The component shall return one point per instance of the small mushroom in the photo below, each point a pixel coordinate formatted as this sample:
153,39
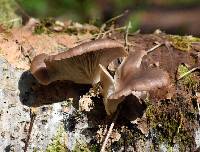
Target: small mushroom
79,64
129,78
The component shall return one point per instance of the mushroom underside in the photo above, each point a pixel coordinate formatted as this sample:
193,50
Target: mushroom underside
79,64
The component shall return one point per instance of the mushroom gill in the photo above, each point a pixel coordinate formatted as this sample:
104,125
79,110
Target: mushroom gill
79,64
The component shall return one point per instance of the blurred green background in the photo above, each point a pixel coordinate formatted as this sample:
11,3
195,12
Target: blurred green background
172,16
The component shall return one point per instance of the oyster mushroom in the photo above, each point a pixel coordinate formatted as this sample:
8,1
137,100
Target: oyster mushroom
129,78
79,64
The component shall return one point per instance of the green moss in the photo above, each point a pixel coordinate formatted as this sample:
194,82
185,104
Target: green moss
34,150
57,144
170,127
183,43
39,29
188,79
45,26
8,18
81,147
167,123
94,148
67,103
170,149
150,114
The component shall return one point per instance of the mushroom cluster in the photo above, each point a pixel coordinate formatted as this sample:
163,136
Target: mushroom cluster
87,64
130,82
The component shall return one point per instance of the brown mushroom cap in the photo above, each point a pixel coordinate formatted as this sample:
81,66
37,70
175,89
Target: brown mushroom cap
93,46
81,63
143,81
130,77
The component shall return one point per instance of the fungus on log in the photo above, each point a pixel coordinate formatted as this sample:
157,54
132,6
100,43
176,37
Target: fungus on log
129,78
79,64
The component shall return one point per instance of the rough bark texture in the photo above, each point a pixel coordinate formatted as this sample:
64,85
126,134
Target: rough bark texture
82,123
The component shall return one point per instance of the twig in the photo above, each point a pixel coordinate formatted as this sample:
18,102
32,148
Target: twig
104,25
186,73
195,42
103,33
116,17
179,123
155,47
33,116
112,30
127,33
22,50
12,20
110,129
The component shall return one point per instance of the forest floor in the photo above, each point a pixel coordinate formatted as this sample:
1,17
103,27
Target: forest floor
41,118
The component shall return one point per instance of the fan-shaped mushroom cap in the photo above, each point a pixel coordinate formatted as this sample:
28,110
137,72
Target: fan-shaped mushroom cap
81,63
130,77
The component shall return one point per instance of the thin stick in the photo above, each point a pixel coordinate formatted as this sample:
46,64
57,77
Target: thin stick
195,42
116,17
103,26
112,30
12,20
155,47
186,73
127,33
110,130
103,33
33,116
